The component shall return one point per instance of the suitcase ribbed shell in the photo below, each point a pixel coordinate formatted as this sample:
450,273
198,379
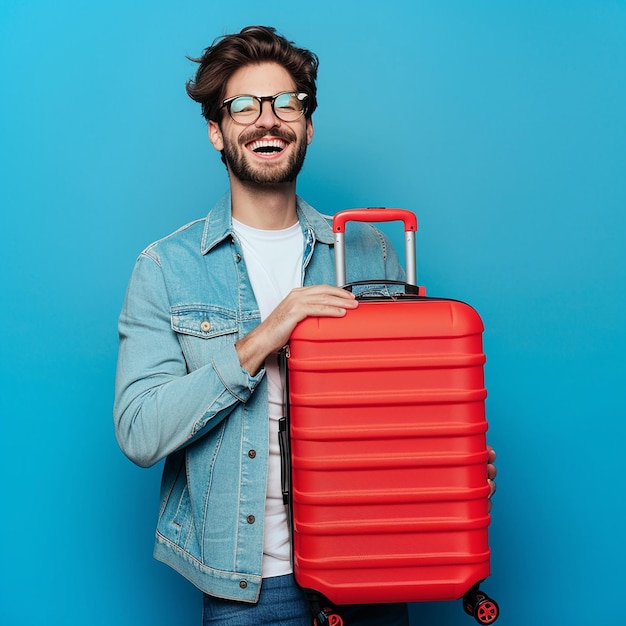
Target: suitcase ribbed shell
389,497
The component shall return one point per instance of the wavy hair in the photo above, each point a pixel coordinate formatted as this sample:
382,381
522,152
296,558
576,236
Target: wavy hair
253,45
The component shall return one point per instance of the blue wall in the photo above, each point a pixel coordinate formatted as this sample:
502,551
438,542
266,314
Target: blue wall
501,124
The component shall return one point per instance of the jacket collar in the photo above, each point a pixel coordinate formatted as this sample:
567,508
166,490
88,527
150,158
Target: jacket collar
218,224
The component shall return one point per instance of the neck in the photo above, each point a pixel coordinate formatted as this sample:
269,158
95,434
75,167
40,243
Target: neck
266,207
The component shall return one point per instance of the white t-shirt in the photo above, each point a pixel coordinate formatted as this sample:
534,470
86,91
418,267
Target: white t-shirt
274,263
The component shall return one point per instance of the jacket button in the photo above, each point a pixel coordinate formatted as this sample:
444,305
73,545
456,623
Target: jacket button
252,453
238,257
251,519
205,326
243,584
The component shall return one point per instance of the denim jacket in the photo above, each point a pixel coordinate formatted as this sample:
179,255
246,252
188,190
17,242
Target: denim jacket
181,393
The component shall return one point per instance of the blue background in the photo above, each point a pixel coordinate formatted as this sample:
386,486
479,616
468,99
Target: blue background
501,124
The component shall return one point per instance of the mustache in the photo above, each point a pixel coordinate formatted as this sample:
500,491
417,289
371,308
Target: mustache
255,134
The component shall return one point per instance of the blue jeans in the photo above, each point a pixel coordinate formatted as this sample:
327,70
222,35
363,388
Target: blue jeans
283,603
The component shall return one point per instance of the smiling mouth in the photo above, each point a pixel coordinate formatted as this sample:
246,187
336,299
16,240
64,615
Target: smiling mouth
267,146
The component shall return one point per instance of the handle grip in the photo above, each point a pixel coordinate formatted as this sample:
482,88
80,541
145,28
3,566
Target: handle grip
375,214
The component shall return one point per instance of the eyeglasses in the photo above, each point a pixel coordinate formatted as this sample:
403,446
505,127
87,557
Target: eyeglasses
287,106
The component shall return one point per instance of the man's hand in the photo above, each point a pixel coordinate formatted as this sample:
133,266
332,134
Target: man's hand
274,332
491,472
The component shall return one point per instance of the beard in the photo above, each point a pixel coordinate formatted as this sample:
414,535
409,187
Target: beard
264,173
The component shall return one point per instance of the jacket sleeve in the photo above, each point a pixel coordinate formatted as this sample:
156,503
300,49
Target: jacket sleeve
159,405
371,255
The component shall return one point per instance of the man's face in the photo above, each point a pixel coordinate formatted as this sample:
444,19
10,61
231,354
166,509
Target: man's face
268,151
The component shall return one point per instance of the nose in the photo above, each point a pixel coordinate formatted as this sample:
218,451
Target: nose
267,119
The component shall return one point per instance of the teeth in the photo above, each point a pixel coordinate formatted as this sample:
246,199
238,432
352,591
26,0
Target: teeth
267,145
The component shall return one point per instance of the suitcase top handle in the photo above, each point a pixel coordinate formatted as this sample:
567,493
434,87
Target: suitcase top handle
374,214
377,214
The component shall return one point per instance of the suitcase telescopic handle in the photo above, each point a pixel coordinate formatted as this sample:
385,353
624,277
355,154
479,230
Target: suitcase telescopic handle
375,214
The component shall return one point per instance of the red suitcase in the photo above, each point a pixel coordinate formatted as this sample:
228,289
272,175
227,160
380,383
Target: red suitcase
384,448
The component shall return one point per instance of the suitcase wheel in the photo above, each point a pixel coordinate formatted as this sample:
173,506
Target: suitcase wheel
480,606
328,617
486,611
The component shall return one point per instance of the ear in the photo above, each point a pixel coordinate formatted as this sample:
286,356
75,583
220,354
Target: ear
309,131
215,136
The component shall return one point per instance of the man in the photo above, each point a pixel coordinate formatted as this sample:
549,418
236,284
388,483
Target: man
206,311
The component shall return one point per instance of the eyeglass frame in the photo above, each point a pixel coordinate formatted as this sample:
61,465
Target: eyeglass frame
300,95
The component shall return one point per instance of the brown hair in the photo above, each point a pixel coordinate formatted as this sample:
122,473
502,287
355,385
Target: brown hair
253,45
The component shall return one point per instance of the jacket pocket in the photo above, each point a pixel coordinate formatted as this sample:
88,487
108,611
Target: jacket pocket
203,329
176,515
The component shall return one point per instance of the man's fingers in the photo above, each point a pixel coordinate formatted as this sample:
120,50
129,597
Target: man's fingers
321,300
